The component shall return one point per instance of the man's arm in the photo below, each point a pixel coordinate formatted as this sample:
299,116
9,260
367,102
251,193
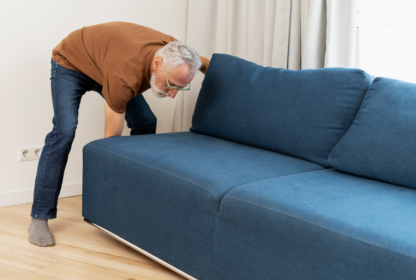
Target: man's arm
204,64
114,122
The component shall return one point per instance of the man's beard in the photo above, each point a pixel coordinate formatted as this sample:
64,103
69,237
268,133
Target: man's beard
156,91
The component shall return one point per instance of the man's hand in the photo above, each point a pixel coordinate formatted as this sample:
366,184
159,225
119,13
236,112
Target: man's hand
204,64
114,122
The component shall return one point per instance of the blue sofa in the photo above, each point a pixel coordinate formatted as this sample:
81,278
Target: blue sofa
284,174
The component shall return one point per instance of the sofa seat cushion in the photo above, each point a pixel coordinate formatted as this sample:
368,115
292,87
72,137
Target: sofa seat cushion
381,143
162,192
318,225
299,113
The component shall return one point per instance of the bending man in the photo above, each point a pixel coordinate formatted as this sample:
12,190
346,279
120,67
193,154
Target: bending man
119,60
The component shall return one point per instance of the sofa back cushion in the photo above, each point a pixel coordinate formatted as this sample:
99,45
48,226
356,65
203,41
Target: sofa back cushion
381,143
299,113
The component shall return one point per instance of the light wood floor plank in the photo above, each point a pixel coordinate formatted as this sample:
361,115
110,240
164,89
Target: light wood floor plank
14,273
25,262
81,252
29,252
71,269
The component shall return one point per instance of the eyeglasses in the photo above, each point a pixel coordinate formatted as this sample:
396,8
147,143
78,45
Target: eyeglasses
169,86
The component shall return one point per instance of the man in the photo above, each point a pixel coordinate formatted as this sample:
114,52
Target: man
119,60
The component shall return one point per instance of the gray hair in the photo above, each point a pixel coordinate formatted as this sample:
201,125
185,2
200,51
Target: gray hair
176,53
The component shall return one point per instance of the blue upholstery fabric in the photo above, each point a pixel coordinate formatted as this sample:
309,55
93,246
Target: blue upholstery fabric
239,208
162,192
299,113
381,143
317,225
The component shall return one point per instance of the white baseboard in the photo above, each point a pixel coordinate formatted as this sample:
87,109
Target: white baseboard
26,195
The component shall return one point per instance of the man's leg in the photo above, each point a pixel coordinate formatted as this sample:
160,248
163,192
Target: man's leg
139,117
67,86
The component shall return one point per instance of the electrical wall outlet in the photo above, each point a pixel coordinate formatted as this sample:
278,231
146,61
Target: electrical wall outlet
25,153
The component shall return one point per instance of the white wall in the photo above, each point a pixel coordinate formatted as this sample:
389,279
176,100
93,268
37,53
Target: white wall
29,30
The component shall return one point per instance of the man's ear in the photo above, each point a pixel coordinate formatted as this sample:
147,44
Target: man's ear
157,63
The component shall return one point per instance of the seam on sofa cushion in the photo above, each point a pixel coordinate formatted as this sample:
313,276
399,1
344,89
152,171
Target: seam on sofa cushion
322,227
353,119
264,179
200,187
355,107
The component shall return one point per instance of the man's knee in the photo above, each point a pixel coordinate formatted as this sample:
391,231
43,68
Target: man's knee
149,126
145,126
67,135
152,121
63,134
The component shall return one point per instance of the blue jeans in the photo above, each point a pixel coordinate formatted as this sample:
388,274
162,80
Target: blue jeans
68,86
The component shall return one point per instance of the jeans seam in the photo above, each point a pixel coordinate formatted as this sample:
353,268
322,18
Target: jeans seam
50,147
56,66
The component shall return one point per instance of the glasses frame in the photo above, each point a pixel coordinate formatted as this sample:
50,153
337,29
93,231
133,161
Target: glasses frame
169,86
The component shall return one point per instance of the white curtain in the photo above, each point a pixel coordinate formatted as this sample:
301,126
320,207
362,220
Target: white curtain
291,34
387,40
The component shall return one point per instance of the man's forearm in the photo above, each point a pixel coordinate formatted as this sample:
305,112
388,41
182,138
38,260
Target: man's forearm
113,130
114,122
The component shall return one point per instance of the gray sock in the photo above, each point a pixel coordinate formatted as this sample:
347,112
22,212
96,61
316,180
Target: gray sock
39,233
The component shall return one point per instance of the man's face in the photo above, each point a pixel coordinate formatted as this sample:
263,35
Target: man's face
178,77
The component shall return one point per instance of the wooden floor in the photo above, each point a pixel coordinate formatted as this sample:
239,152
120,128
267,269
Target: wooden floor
82,251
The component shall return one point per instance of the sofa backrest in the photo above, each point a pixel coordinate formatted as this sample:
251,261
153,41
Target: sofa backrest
299,113
381,142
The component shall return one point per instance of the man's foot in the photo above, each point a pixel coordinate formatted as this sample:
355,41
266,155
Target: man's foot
39,233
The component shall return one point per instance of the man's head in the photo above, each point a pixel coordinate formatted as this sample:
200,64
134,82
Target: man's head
180,61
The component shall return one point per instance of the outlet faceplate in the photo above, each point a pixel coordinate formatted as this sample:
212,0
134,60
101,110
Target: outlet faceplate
25,153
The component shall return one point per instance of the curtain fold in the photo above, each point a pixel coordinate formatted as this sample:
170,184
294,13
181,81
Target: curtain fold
341,33
291,34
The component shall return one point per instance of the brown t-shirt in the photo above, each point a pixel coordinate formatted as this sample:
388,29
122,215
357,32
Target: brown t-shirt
117,55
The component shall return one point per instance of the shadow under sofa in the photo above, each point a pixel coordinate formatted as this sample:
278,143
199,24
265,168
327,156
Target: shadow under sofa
284,175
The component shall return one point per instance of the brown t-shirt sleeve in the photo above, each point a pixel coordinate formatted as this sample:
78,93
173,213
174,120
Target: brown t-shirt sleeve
116,92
